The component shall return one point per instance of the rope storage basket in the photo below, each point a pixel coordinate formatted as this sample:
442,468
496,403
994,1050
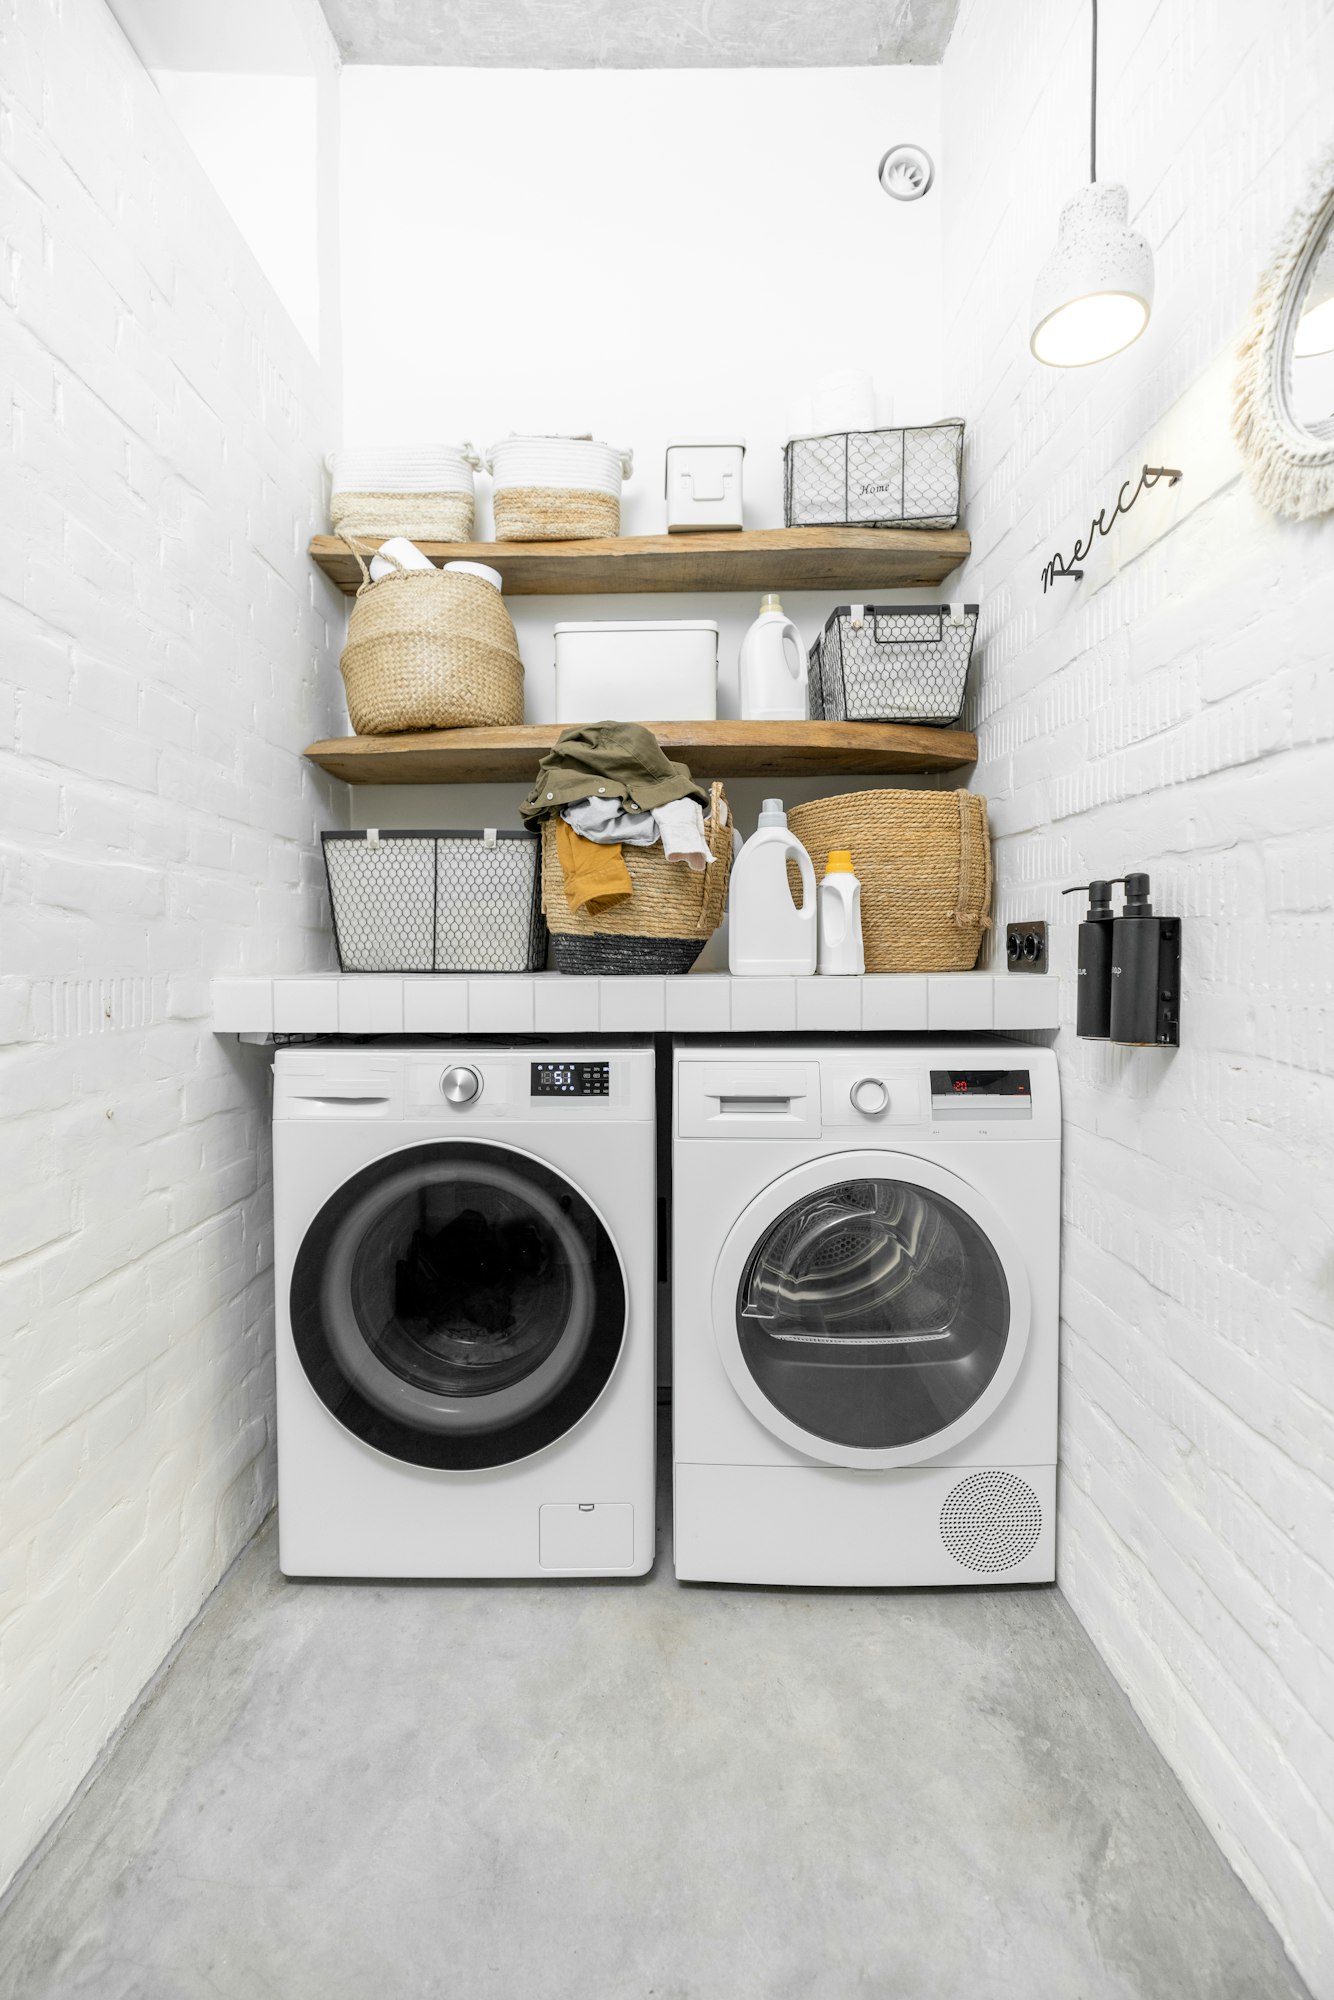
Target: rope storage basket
429,649
874,479
892,663
436,902
557,489
424,492
924,862
666,920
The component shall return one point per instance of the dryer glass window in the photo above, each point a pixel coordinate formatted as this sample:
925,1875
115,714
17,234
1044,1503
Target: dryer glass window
458,1304
873,1313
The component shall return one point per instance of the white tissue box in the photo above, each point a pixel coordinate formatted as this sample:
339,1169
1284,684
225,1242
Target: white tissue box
703,484
637,670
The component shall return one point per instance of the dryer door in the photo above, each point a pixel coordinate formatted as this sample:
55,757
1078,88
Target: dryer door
458,1304
871,1309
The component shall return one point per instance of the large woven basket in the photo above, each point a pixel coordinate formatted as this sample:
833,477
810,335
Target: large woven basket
430,649
924,862
666,921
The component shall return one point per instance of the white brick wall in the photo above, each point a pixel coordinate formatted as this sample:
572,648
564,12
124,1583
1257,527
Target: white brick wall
165,650
1174,711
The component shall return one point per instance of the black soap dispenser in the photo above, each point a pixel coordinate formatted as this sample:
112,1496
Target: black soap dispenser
1146,972
1093,1002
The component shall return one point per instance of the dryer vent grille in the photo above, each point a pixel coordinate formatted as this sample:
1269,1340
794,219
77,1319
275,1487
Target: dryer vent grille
991,1521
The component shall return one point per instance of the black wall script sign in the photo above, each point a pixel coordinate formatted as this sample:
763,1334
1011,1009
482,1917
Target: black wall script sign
1101,525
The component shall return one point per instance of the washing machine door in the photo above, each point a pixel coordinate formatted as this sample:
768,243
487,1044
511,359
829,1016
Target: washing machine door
458,1304
871,1310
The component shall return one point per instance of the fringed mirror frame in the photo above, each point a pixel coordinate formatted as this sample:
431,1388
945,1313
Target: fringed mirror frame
1291,466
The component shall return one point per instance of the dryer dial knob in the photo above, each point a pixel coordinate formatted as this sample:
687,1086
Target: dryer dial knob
461,1084
870,1095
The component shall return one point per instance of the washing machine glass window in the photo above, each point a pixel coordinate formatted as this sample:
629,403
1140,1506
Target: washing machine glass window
458,1304
873,1313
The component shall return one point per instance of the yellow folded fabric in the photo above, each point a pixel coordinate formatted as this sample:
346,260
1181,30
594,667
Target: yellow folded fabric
595,876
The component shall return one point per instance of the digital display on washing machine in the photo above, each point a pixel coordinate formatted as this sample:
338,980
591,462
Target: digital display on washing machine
990,1083
571,1079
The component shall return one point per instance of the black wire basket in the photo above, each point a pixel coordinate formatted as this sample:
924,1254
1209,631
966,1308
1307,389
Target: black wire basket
892,663
906,478
436,901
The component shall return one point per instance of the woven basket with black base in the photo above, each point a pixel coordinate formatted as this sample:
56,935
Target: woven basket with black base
924,862
662,926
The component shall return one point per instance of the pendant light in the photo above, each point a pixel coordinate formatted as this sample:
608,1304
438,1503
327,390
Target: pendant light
1093,294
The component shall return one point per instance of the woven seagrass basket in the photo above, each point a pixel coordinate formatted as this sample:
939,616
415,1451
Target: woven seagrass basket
924,862
666,921
422,517
429,649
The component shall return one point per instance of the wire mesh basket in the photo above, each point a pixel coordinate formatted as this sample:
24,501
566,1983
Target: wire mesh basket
436,901
892,663
875,479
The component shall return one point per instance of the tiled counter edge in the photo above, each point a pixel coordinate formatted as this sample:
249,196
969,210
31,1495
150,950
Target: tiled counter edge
551,1003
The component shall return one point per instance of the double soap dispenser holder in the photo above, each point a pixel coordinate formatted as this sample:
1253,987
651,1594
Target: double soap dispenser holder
1129,968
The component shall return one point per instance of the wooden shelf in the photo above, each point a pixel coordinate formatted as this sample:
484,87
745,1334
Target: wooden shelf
712,750
842,559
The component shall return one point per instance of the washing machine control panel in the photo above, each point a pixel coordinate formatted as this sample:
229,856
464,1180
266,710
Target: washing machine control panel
570,1079
981,1093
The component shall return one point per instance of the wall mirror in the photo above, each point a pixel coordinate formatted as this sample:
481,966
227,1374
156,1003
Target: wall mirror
1284,411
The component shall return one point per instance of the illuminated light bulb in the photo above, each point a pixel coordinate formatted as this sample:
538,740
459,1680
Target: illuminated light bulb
1094,293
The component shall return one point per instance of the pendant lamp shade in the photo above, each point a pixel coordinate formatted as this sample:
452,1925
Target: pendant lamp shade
1094,292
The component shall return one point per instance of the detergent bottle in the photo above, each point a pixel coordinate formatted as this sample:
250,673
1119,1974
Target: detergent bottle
767,932
840,904
773,667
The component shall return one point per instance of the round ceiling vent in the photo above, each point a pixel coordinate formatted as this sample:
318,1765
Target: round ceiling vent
991,1521
906,172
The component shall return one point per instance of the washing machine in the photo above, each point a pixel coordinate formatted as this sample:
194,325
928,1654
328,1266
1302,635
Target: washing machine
866,1266
465,1263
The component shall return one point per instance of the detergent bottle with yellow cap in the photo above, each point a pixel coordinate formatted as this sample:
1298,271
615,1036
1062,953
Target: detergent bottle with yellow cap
840,904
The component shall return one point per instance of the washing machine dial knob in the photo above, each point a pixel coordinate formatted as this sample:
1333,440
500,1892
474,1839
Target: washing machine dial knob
461,1084
870,1095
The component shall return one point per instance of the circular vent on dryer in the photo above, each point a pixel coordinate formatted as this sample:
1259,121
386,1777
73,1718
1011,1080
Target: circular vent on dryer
991,1521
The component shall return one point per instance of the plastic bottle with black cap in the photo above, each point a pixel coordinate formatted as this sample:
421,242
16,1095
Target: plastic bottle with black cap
1093,1002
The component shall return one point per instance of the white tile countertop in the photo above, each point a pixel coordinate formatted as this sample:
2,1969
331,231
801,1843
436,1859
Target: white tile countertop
553,1003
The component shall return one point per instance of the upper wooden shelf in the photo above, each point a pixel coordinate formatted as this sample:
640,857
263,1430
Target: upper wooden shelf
712,750
843,559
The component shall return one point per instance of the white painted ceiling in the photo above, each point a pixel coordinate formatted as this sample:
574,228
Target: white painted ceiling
642,34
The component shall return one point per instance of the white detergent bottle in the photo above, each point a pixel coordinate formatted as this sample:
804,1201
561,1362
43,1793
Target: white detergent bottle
773,668
840,901
766,931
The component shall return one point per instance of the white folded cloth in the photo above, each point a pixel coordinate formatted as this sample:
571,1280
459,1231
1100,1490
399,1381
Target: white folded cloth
408,555
607,822
680,826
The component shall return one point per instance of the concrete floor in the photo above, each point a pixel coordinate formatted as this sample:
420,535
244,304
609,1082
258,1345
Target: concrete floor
528,1792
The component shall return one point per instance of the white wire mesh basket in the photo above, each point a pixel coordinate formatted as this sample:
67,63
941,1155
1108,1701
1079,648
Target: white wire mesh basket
892,663
906,478
419,901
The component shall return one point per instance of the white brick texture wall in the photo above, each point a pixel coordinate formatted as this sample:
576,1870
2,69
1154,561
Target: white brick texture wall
1175,712
165,650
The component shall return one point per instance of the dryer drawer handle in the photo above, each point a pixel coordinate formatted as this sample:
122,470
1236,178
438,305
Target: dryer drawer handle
340,1097
754,1107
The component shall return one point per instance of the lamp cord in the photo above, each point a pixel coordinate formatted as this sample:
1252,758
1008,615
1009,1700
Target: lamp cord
1093,102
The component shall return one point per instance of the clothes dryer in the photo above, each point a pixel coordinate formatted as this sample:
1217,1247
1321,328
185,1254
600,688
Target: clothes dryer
465,1261
865,1266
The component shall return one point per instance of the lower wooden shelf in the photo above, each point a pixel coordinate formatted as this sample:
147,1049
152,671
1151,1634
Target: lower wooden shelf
712,750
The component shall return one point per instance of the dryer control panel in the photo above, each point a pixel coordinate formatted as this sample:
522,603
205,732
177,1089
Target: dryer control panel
981,1093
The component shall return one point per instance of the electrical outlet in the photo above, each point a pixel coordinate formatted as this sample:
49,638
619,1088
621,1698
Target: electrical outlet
1026,946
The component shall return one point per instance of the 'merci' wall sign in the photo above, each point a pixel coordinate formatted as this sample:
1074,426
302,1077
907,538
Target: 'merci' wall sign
1101,525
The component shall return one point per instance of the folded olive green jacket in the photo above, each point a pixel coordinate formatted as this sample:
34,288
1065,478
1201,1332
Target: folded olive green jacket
607,760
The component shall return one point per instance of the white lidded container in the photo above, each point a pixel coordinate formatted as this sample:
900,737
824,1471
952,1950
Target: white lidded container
703,484
422,491
637,670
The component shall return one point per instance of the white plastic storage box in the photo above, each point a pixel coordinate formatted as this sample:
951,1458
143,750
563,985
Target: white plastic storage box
637,670
703,484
